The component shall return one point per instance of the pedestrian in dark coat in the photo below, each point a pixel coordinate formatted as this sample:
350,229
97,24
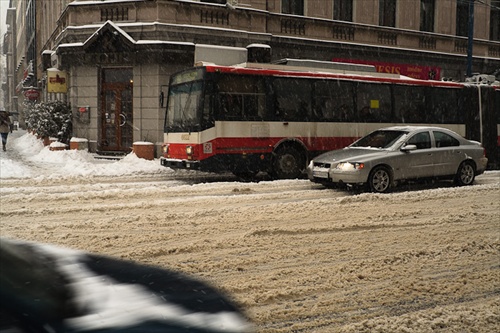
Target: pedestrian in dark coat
5,127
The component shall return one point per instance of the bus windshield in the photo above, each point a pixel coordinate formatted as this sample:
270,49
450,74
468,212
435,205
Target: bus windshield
183,109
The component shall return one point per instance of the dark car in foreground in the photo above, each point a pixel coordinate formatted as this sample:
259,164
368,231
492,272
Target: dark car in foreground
388,156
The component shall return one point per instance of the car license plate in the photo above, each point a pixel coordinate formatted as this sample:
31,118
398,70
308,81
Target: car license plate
320,174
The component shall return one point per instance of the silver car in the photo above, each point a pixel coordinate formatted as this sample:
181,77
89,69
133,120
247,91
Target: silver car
388,156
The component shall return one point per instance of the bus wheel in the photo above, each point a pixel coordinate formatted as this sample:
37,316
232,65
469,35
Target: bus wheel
288,163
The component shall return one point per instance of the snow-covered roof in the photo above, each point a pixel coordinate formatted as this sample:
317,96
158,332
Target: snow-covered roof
220,47
183,26
263,46
145,41
99,2
115,27
70,45
106,25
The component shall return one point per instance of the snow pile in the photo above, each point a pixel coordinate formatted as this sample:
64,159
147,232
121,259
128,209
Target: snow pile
13,169
27,157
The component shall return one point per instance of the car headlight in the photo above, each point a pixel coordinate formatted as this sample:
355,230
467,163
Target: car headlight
189,150
165,149
350,166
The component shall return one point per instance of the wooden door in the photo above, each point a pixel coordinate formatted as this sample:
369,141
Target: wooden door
116,116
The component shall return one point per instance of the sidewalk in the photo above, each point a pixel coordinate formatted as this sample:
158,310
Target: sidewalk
27,157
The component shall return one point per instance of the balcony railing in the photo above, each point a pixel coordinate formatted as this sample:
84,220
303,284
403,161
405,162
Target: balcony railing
114,14
343,32
494,51
293,27
426,42
460,46
388,38
215,17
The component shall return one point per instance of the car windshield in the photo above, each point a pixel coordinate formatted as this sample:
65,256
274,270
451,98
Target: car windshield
379,139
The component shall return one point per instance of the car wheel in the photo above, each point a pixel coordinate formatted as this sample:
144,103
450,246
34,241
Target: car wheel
380,180
288,163
466,174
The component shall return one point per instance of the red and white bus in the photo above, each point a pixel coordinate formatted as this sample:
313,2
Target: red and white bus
274,118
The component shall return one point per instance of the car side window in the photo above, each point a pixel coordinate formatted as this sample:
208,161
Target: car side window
421,140
445,140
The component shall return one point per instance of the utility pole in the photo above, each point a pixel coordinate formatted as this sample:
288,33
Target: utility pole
471,38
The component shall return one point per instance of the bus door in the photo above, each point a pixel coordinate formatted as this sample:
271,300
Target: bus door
490,118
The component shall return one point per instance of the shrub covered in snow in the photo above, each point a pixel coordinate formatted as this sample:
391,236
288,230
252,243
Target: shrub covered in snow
50,119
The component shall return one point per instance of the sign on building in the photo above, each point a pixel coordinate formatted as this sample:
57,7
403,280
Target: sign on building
56,81
413,71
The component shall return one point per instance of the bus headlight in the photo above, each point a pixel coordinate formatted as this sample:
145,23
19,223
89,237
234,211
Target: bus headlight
189,150
165,148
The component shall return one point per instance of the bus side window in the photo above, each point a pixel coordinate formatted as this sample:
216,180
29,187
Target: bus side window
409,104
324,108
207,119
254,107
444,103
292,99
254,100
224,106
231,106
374,102
333,100
240,97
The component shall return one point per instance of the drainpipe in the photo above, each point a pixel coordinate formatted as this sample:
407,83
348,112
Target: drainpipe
471,38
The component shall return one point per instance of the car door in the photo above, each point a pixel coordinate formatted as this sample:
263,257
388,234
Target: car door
447,154
418,163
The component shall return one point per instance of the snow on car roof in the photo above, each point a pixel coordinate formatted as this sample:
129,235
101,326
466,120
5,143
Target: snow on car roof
411,128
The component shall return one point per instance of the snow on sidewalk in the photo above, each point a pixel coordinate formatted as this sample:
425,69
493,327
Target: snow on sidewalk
27,157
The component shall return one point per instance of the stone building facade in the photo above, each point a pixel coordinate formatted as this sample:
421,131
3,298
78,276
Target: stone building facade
118,55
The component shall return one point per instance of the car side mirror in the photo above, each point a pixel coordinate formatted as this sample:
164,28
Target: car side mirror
408,148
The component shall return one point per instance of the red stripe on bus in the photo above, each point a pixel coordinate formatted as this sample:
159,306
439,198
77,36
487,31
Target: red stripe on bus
254,146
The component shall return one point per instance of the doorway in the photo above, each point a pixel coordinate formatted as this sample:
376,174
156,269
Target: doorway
116,111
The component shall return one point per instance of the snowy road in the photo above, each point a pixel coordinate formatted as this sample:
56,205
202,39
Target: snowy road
296,256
